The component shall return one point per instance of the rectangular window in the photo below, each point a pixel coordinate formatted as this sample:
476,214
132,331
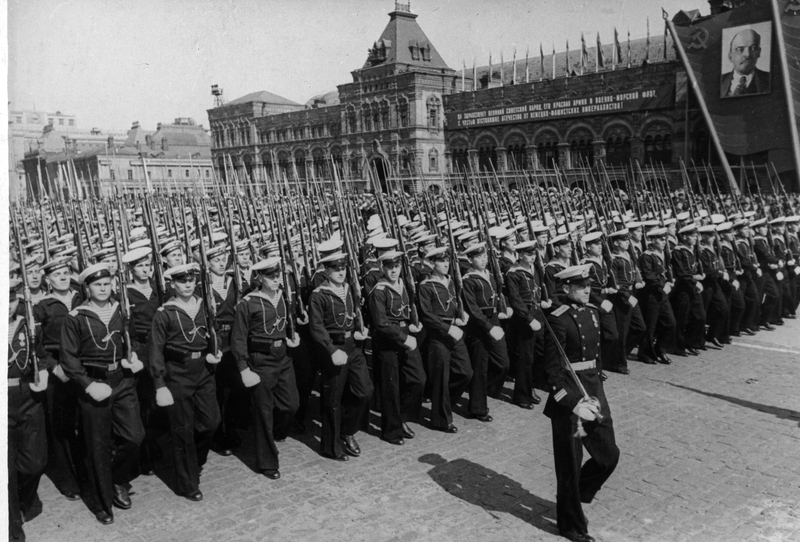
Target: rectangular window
130,174
187,173
208,174
19,120
61,122
414,53
169,173
72,122
433,117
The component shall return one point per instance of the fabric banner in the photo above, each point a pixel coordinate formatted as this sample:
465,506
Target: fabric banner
734,57
655,97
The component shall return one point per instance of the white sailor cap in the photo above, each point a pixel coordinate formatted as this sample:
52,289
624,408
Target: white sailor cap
179,270
267,265
331,245
725,227
385,243
777,221
56,263
525,246
390,256
332,259
717,218
438,253
171,246
707,229
592,237
560,239
94,272
575,273
688,229
657,232
475,250
619,234
759,222
136,255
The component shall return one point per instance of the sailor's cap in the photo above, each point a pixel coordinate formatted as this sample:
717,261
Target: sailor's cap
575,273
267,265
136,255
94,272
180,270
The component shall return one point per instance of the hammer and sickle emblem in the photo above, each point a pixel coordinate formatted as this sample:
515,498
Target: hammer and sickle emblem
699,39
793,7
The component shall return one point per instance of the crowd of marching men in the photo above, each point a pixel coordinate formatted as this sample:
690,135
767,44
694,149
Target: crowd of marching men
209,316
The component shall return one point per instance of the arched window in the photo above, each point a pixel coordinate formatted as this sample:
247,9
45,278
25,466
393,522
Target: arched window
618,151
517,156
487,157
433,161
405,160
355,166
582,152
319,164
433,112
402,112
658,144
547,152
300,164
460,159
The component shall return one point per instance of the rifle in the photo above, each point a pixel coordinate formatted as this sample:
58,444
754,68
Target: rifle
124,304
287,291
158,269
207,294
30,323
494,265
458,282
237,275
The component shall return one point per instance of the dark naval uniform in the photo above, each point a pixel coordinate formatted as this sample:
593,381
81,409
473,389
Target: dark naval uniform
714,299
346,389
601,279
577,328
767,282
177,360
489,358
687,303
732,292
525,298
400,375
91,351
27,441
659,320
449,369
258,341
628,313
62,398
749,281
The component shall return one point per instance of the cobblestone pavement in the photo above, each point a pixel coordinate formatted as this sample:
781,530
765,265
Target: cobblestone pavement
710,451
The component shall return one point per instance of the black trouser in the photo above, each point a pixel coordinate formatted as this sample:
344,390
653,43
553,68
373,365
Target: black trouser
152,421
609,337
717,311
748,284
690,318
346,390
793,282
113,431
579,484
489,360
275,402
65,450
524,341
306,365
401,380
630,328
27,453
736,306
769,298
449,375
659,320
232,401
193,418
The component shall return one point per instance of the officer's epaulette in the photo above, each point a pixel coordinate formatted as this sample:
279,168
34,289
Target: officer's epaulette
592,306
560,310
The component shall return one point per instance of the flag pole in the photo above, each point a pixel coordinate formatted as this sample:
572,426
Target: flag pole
787,88
702,103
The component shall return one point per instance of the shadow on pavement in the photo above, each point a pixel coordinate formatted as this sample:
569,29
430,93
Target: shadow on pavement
491,491
781,413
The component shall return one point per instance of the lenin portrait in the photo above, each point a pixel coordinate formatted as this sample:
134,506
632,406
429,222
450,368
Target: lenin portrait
745,60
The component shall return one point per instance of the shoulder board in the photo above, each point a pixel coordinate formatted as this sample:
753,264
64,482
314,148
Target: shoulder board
560,310
73,312
590,305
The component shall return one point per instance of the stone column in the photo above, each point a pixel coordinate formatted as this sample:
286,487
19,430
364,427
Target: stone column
564,156
599,148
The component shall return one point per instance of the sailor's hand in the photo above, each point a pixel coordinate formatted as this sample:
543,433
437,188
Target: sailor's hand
99,391
359,336
60,374
410,343
586,410
249,378
455,332
164,397
546,304
42,385
535,325
497,333
339,357
294,342
607,306
463,320
415,329
214,359
134,364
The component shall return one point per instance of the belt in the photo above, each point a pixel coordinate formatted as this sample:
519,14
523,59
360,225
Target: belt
107,366
401,323
584,365
14,382
223,328
345,334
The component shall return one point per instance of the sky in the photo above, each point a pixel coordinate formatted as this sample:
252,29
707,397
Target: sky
112,62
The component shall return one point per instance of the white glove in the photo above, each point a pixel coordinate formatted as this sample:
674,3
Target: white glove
357,335
632,301
455,332
797,270
668,288
304,320
535,325
779,276
759,272
735,284
98,391
134,364
59,372
463,320
294,342
639,285
547,304
249,378
586,410
42,381
212,359
415,329
505,315
164,397
497,333
606,305
725,275
790,263
509,312
339,357
699,287
611,290
698,277
411,342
